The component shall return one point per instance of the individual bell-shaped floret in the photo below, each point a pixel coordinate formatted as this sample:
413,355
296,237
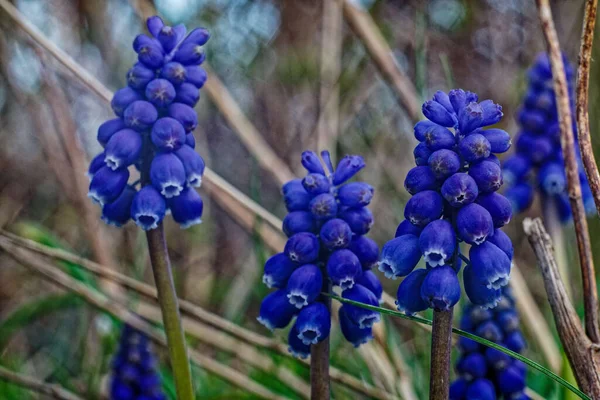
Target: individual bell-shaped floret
490,330
436,112
96,163
479,293
366,249
351,331
140,115
107,184
313,323
458,389
118,212
538,148
508,320
460,98
441,288
296,346
442,98
276,311
491,266
515,168
399,256
472,366
108,129
195,76
304,285
369,280
343,268
470,118
474,224
193,165
310,161
174,72
409,300
122,99
492,112
406,228
487,175
168,36
460,189
497,359
296,198
422,154
424,207
362,317
315,183
347,168
190,140
511,380
475,147
481,389
123,149
324,206
139,76
499,140
503,242
498,206
150,52
168,134
302,248
437,242
278,269
437,137
160,92
299,221
515,341
419,179
167,174
355,194
335,234
189,53
148,208
551,178
186,208
187,94
520,196
444,163
359,219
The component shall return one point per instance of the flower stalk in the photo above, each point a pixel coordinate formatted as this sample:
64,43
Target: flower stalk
319,360
441,341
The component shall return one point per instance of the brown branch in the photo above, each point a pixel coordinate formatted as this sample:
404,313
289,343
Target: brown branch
52,390
590,294
582,94
441,348
583,355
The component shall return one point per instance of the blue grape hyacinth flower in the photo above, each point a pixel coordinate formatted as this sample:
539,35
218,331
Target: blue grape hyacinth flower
537,164
134,370
483,372
153,133
454,199
326,225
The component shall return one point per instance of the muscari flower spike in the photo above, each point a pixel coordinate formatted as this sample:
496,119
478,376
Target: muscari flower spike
454,199
153,131
134,371
537,164
326,225
483,372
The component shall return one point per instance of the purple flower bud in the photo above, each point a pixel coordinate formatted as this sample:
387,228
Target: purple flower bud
490,330
359,219
515,341
140,115
487,175
351,331
299,221
498,206
532,120
118,212
315,183
366,249
424,207
167,38
96,163
474,147
552,179
324,206
472,366
437,113
409,293
148,208
363,317
492,113
347,168
511,380
122,99
508,320
422,128
474,224
310,161
515,168
139,76
497,359
444,100
503,242
499,140
479,293
154,25
422,154
437,242
174,72
441,288
343,267
520,196
276,311
470,118
481,389
109,128
304,285
189,53
335,234
406,228
369,280
491,266
167,174
460,98
313,323
419,179
193,165
187,94
198,36
278,269
190,140
160,92
186,208
295,346
355,194
295,196
150,53
537,148
123,149
196,76
458,389
107,185
168,134
437,137
468,345
400,256
444,163
185,114
460,189
302,248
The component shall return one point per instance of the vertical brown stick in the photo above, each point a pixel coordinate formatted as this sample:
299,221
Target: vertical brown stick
567,141
441,341
319,360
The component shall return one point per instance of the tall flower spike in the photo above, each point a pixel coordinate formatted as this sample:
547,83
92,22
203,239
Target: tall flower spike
326,225
153,131
453,199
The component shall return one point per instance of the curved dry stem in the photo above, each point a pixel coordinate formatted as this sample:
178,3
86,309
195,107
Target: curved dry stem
48,389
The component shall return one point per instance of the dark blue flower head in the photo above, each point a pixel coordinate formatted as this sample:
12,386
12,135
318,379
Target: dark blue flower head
326,225
454,199
153,132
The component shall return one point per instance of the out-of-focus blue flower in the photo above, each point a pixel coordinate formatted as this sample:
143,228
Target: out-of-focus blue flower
153,132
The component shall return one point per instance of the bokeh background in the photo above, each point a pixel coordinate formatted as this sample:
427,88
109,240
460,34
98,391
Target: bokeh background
296,74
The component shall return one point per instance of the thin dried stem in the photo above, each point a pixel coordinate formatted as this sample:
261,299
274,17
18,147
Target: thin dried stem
590,294
51,390
582,95
441,347
319,359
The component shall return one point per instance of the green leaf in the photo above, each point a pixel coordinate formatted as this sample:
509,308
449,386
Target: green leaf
473,337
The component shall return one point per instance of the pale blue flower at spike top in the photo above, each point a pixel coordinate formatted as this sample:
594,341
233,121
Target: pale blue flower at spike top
153,133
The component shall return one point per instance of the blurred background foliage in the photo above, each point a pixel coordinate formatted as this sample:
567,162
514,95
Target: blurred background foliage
267,54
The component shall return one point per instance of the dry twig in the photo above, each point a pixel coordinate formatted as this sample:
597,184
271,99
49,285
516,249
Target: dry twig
27,382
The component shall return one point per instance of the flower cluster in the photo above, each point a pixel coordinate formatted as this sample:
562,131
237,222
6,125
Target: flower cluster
153,132
485,373
134,369
326,227
538,160
453,199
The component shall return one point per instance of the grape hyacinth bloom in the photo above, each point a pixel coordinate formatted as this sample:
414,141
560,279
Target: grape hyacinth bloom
326,225
483,372
134,370
152,132
537,164
454,199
